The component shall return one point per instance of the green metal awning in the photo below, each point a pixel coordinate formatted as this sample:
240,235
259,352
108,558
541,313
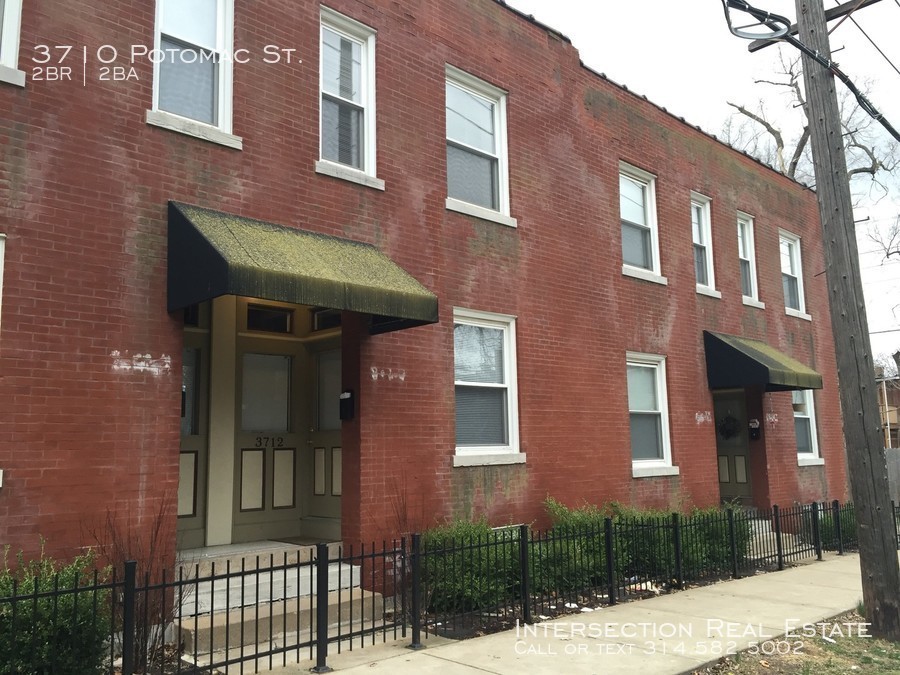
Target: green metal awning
734,362
213,253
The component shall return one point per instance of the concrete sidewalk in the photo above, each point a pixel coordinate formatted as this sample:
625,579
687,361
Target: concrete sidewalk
670,634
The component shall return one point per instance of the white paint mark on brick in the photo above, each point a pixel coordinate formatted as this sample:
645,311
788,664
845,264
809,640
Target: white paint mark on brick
141,363
387,374
704,417
771,419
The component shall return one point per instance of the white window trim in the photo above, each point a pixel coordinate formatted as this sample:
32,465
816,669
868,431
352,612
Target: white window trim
644,468
649,180
746,220
463,80
9,44
784,235
358,32
704,204
491,454
215,133
2,258
815,457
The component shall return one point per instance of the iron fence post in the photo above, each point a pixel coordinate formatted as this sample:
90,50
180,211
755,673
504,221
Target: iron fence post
416,560
523,573
816,532
896,513
405,561
128,617
779,547
676,534
732,542
838,530
321,609
610,560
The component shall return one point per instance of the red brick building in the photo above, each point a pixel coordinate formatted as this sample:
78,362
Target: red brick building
343,271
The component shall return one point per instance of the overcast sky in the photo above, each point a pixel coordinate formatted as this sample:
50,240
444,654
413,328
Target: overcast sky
680,54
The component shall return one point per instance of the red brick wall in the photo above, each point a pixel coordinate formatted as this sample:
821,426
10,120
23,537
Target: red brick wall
84,184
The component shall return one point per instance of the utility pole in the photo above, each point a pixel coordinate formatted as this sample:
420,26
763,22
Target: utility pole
856,369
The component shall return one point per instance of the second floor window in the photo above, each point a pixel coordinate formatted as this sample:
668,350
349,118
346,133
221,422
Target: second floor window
476,142
791,273
348,92
193,78
702,236
637,210
747,257
10,20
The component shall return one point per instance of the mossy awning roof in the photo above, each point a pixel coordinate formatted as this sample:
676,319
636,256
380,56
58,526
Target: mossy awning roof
735,362
213,253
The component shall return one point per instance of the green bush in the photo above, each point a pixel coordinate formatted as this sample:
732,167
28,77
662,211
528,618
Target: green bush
62,633
706,545
828,528
469,566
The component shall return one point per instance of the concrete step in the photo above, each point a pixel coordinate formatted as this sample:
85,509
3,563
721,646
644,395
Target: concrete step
224,592
294,618
198,563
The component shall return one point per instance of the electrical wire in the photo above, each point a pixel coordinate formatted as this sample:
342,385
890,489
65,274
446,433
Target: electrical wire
776,23
877,48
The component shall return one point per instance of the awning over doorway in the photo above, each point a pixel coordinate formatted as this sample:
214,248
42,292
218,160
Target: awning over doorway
213,253
733,362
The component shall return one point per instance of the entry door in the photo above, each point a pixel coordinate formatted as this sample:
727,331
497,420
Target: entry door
269,439
194,439
733,447
324,457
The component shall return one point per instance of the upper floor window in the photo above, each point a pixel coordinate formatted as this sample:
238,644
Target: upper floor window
477,171
347,71
640,236
805,426
2,257
10,22
747,258
701,229
484,358
792,274
193,78
648,412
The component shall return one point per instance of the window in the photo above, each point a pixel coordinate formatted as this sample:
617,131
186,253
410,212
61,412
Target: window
2,256
805,426
192,78
10,21
792,275
347,86
485,388
648,413
477,172
703,252
747,258
637,210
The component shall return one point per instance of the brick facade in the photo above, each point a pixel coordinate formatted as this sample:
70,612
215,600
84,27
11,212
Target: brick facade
89,425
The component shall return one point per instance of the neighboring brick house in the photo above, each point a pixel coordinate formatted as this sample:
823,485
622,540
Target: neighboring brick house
437,269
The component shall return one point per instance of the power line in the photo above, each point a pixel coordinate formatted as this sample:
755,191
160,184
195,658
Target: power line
877,48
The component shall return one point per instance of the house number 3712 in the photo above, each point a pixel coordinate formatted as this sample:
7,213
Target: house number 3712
270,441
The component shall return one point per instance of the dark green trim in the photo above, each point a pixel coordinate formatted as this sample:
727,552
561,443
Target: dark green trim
213,254
733,362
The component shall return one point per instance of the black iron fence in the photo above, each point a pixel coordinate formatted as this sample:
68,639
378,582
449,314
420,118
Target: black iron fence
269,612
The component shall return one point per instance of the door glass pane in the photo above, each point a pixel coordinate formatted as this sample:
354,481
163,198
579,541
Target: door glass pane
478,353
723,469
740,469
193,21
187,82
642,388
472,177
481,416
328,390
646,436
283,479
187,481
470,119
252,467
636,246
265,393
190,375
